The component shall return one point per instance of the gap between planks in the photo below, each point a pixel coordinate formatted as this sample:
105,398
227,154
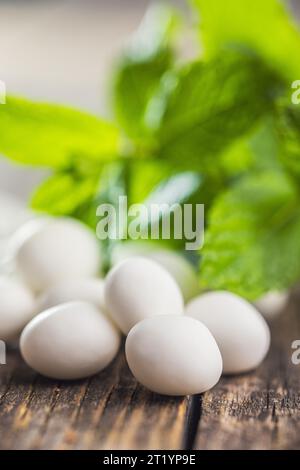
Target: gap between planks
260,410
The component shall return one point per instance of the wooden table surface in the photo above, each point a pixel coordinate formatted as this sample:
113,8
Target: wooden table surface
260,410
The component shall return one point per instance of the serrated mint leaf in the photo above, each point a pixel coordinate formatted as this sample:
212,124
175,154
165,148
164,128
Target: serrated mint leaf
265,26
252,244
50,135
258,150
212,105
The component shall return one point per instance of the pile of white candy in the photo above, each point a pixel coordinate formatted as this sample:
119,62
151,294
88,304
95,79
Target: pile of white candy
71,320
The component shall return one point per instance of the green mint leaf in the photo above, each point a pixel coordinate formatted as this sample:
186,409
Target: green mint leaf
175,190
63,193
145,175
212,105
51,136
262,25
258,150
252,244
137,77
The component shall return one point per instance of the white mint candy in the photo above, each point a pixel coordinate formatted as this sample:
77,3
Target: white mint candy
173,355
138,288
61,249
176,264
17,307
241,332
89,290
272,304
26,231
69,341
16,240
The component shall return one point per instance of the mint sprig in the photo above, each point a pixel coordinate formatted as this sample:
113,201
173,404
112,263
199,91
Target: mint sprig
223,119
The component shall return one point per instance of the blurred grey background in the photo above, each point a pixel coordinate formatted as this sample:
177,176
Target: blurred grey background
62,51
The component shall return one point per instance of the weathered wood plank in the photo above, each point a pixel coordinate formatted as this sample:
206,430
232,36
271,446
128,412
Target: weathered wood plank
108,411
260,410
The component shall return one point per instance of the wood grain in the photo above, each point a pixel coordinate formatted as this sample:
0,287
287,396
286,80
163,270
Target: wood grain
260,410
108,411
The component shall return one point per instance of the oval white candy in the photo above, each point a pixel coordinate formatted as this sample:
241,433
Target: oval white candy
70,341
17,307
240,331
139,288
176,264
272,304
88,290
173,355
61,249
